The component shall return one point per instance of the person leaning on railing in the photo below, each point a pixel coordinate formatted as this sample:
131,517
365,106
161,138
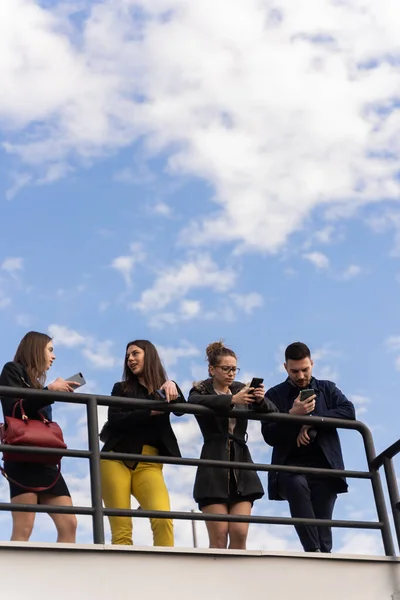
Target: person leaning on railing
226,491
309,496
34,356
144,431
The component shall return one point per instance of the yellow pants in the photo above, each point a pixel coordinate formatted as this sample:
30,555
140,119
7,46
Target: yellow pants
146,483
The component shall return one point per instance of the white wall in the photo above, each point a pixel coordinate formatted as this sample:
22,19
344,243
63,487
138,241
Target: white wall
51,571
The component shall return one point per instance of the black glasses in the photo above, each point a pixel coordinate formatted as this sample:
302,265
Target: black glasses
228,370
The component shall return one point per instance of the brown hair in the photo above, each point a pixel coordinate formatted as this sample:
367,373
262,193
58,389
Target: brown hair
30,354
215,351
154,374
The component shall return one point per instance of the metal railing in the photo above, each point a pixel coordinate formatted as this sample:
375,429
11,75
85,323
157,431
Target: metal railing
94,455
385,459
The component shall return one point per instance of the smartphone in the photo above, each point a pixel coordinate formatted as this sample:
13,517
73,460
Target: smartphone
162,394
305,394
256,382
77,378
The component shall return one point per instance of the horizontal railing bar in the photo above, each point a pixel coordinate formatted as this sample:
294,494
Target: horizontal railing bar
188,516
38,450
390,452
227,464
47,508
174,460
184,408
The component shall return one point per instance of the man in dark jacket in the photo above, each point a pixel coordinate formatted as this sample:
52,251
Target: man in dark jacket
309,496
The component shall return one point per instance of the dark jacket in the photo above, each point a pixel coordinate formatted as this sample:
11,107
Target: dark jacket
330,402
132,426
220,445
15,375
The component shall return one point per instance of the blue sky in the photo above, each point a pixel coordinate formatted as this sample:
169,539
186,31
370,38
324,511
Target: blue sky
204,171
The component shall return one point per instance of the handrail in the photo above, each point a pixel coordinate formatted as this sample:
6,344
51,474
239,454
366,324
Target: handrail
390,453
385,459
94,455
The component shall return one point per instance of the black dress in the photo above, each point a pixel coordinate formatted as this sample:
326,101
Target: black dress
224,486
29,475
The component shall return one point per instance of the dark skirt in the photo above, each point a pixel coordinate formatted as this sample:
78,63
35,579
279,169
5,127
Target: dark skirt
233,497
226,486
34,475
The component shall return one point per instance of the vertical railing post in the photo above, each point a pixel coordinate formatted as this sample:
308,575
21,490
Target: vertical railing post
194,531
393,490
379,497
95,479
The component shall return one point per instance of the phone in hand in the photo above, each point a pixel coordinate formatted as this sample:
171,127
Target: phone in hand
77,378
256,382
305,394
161,393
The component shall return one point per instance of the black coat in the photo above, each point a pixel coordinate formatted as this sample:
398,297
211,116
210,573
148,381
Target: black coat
15,375
130,424
330,402
213,482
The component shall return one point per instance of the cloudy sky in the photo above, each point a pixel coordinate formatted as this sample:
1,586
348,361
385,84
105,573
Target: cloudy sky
189,171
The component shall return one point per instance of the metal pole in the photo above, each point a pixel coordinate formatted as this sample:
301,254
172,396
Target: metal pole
95,479
377,489
393,494
194,531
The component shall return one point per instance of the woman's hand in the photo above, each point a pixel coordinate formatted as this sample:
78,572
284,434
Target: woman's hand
62,385
171,391
243,397
258,393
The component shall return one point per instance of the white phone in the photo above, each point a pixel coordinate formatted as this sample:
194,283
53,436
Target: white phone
77,378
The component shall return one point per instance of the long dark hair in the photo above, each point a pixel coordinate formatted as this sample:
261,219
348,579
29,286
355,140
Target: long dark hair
154,374
30,354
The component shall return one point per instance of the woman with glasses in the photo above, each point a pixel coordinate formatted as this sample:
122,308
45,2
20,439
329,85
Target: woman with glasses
226,491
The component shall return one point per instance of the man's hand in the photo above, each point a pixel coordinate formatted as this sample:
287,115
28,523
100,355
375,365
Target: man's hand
303,408
303,438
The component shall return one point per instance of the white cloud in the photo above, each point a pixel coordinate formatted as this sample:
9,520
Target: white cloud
4,301
163,209
175,282
318,259
325,235
99,354
350,272
125,264
393,342
66,337
361,404
277,107
247,302
12,264
171,355
361,543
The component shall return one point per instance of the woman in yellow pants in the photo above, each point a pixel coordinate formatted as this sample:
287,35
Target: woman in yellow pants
139,431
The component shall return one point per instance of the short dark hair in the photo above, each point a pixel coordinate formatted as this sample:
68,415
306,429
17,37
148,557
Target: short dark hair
297,351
